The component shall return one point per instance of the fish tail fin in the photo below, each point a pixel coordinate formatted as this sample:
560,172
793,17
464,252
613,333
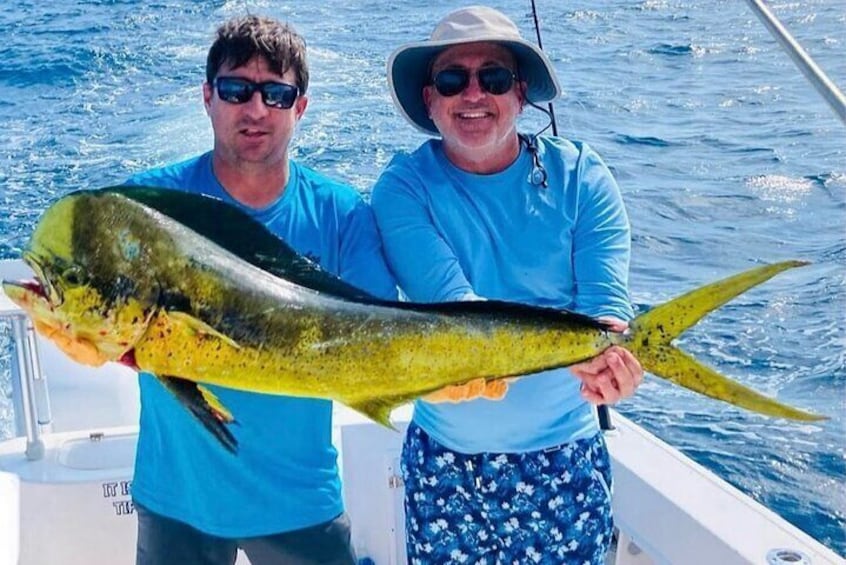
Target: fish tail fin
651,334
673,364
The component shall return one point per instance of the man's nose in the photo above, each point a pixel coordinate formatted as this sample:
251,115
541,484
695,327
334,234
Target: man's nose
255,105
474,90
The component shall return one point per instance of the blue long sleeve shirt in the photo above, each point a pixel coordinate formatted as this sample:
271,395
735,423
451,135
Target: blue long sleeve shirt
285,475
449,234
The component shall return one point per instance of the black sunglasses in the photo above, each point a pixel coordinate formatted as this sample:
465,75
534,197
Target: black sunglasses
493,80
240,90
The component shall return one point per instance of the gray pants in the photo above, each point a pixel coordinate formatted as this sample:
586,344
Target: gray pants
164,541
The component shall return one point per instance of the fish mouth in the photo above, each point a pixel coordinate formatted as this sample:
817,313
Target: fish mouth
34,298
25,293
33,286
34,295
40,283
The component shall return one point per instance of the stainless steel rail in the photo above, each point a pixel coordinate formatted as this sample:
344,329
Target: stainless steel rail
806,64
29,385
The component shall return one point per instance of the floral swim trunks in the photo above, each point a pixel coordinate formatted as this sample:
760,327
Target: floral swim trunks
551,506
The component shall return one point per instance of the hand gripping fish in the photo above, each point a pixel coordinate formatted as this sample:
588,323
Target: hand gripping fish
194,291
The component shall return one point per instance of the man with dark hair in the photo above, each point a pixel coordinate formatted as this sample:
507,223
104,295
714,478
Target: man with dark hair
279,498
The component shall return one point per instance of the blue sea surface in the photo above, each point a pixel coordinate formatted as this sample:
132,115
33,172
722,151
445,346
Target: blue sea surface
726,156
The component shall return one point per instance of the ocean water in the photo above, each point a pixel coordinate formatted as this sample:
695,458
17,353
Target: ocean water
726,156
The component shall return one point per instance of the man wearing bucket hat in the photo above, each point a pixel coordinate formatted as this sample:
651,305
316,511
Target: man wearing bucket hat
484,212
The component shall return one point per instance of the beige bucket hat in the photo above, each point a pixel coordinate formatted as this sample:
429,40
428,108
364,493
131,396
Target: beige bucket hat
409,65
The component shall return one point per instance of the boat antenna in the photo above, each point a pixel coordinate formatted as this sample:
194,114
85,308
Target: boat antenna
540,46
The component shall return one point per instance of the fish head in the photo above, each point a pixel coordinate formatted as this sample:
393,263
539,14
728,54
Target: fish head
92,294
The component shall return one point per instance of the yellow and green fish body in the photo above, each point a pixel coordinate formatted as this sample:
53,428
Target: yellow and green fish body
193,291
353,353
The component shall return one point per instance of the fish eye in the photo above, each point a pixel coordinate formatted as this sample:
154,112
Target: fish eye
73,276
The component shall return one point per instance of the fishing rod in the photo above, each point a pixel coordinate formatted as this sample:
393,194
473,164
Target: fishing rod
602,412
540,46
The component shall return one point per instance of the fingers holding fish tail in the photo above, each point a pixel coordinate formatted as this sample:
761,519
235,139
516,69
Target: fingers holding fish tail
626,372
609,377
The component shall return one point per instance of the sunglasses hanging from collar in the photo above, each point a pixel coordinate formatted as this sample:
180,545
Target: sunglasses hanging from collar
538,175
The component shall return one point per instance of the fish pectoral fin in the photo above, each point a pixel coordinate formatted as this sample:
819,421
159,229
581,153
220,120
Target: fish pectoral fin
216,406
205,407
197,326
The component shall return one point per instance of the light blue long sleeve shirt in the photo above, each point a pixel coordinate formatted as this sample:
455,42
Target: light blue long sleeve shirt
285,474
449,234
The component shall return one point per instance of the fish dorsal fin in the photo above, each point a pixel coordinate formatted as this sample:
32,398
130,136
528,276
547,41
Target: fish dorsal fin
237,232
241,235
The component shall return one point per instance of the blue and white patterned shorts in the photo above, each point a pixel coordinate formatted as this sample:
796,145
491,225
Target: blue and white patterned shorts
551,506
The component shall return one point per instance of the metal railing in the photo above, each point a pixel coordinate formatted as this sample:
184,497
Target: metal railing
30,395
806,64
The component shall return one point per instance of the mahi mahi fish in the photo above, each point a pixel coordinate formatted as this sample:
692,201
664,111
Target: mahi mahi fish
194,291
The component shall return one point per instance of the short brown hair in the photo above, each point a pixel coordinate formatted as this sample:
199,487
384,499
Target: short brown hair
240,39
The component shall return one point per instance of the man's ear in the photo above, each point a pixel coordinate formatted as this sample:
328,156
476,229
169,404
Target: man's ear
300,106
427,99
208,92
522,87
